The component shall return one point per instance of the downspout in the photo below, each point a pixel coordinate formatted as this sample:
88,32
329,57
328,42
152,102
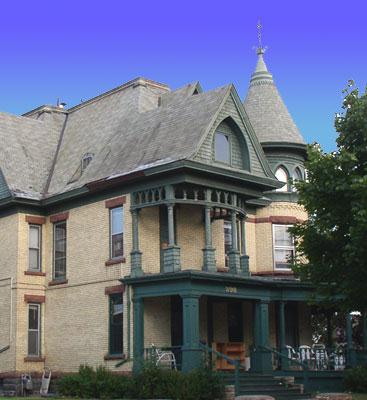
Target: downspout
7,347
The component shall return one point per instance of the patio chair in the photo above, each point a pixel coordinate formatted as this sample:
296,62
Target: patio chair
321,356
307,356
338,357
292,354
164,358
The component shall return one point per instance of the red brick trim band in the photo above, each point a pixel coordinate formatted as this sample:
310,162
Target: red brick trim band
34,273
116,202
30,298
114,289
56,282
276,219
36,220
113,261
34,359
59,217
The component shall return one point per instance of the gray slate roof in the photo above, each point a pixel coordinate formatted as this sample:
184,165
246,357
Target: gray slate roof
266,110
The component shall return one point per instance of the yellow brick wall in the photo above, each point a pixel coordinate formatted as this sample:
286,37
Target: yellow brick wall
149,239
218,242
8,264
190,236
157,322
264,232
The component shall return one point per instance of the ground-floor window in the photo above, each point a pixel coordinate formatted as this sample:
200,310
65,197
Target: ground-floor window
34,330
116,323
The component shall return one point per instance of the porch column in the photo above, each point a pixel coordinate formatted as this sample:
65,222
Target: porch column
351,353
209,250
364,329
244,259
191,352
171,255
136,254
138,333
261,360
281,333
234,254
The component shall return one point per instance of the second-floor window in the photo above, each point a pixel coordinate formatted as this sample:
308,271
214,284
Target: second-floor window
116,232
34,248
59,272
283,244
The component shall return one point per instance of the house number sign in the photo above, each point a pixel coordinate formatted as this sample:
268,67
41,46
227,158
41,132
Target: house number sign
230,289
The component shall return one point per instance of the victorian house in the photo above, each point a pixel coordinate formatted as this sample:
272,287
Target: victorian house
149,216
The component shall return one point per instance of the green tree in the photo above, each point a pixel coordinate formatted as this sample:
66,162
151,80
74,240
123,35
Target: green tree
332,243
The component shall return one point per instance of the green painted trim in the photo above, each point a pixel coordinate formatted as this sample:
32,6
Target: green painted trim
251,133
291,197
218,285
299,147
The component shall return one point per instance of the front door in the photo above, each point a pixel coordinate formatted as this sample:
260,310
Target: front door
235,321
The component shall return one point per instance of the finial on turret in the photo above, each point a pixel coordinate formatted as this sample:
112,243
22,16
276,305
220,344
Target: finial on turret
260,49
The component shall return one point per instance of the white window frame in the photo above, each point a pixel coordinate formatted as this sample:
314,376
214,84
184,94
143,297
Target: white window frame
292,248
38,330
39,228
285,187
116,233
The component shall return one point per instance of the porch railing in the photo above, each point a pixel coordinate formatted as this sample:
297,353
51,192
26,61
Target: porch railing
209,351
290,361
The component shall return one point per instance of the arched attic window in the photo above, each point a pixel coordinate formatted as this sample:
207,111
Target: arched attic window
230,146
282,175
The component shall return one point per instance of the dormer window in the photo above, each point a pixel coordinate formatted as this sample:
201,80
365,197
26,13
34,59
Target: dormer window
222,148
87,158
282,176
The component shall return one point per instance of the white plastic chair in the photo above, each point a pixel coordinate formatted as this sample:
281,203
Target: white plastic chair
164,358
321,356
292,354
306,355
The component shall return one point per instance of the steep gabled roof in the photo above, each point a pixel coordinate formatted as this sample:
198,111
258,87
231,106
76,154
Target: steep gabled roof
267,112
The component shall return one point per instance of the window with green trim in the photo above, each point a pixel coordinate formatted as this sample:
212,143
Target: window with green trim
115,323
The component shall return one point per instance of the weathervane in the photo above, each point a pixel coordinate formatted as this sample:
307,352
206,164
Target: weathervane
260,49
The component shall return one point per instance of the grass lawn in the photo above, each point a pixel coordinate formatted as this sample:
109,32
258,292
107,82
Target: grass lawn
360,396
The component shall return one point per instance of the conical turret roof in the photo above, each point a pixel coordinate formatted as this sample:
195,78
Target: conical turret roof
267,112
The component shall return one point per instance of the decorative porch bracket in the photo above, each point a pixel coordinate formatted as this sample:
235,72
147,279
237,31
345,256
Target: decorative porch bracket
191,351
261,359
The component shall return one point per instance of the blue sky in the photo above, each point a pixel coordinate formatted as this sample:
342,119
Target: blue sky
77,49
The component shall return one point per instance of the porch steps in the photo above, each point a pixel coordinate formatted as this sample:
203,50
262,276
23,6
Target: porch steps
257,384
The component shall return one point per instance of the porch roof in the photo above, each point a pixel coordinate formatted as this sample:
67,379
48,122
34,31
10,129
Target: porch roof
193,282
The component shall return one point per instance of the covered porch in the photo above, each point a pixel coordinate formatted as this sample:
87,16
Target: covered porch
249,321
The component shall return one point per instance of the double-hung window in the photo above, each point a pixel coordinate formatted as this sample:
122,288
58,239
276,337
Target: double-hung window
283,245
59,250
34,330
34,253
116,323
116,232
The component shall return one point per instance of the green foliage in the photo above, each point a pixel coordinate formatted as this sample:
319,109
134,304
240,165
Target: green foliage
355,379
151,383
331,244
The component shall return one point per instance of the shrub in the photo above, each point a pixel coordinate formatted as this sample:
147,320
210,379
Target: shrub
355,379
151,383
